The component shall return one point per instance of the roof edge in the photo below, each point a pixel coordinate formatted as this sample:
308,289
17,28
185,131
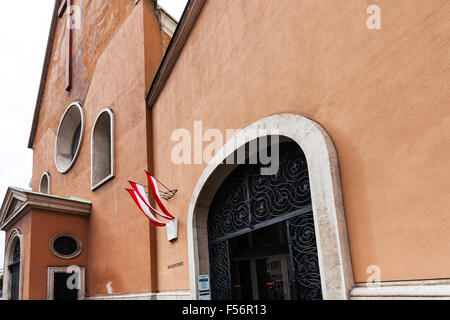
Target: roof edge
48,53
158,7
184,28
35,200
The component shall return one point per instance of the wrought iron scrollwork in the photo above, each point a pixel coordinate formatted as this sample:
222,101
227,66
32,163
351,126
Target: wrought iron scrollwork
14,269
219,255
246,199
230,211
304,260
272,196
16,252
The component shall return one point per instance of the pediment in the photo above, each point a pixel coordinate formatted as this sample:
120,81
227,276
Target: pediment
14,199
15,204
18,202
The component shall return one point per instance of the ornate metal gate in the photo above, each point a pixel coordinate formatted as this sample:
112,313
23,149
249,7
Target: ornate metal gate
247,201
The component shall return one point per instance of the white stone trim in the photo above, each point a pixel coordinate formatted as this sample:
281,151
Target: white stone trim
403,290
1,287
168,24
51,280
58,137
328,210
47,175
165,295
16,235
111,157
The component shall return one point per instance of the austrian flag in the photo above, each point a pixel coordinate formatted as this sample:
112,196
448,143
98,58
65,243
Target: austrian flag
140,198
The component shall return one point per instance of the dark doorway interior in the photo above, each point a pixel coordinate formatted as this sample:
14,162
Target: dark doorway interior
260,264
61,289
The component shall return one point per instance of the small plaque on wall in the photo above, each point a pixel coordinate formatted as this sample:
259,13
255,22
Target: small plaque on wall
203,283
172,230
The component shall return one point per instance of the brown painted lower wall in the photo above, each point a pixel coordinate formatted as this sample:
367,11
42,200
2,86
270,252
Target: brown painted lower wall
37,228
44,226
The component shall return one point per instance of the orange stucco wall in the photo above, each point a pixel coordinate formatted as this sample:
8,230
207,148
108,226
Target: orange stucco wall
38,227
44,226
382,95
113,68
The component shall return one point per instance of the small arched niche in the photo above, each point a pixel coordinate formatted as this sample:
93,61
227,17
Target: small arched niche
69,137
44,185
102,149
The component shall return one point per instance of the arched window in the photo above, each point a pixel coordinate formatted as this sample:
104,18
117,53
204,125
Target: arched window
13,273
69,137
44,185
102,149
14,269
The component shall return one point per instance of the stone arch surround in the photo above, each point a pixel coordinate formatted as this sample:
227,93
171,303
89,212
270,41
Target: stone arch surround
326,195
15,235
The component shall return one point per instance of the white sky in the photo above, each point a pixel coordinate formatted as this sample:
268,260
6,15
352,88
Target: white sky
174,7
24,27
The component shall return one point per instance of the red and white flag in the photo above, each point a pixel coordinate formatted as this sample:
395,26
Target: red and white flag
155,191
140,198
140,190
144,208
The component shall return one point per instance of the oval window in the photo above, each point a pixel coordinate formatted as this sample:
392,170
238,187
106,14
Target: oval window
69,137
65,246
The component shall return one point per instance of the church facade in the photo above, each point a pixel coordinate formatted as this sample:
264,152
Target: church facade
347,102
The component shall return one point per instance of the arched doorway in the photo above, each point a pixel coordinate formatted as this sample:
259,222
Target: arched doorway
261,233
336,274
13,271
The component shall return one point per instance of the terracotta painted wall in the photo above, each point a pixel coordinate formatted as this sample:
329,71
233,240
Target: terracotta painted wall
114,66
383,96
100,21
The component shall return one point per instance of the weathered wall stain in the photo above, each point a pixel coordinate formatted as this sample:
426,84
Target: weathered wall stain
115,56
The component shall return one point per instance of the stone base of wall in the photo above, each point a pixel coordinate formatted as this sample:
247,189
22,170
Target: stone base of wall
396,290
167,295
402,290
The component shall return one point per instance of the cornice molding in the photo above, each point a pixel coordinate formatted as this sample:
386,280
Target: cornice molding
40,201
